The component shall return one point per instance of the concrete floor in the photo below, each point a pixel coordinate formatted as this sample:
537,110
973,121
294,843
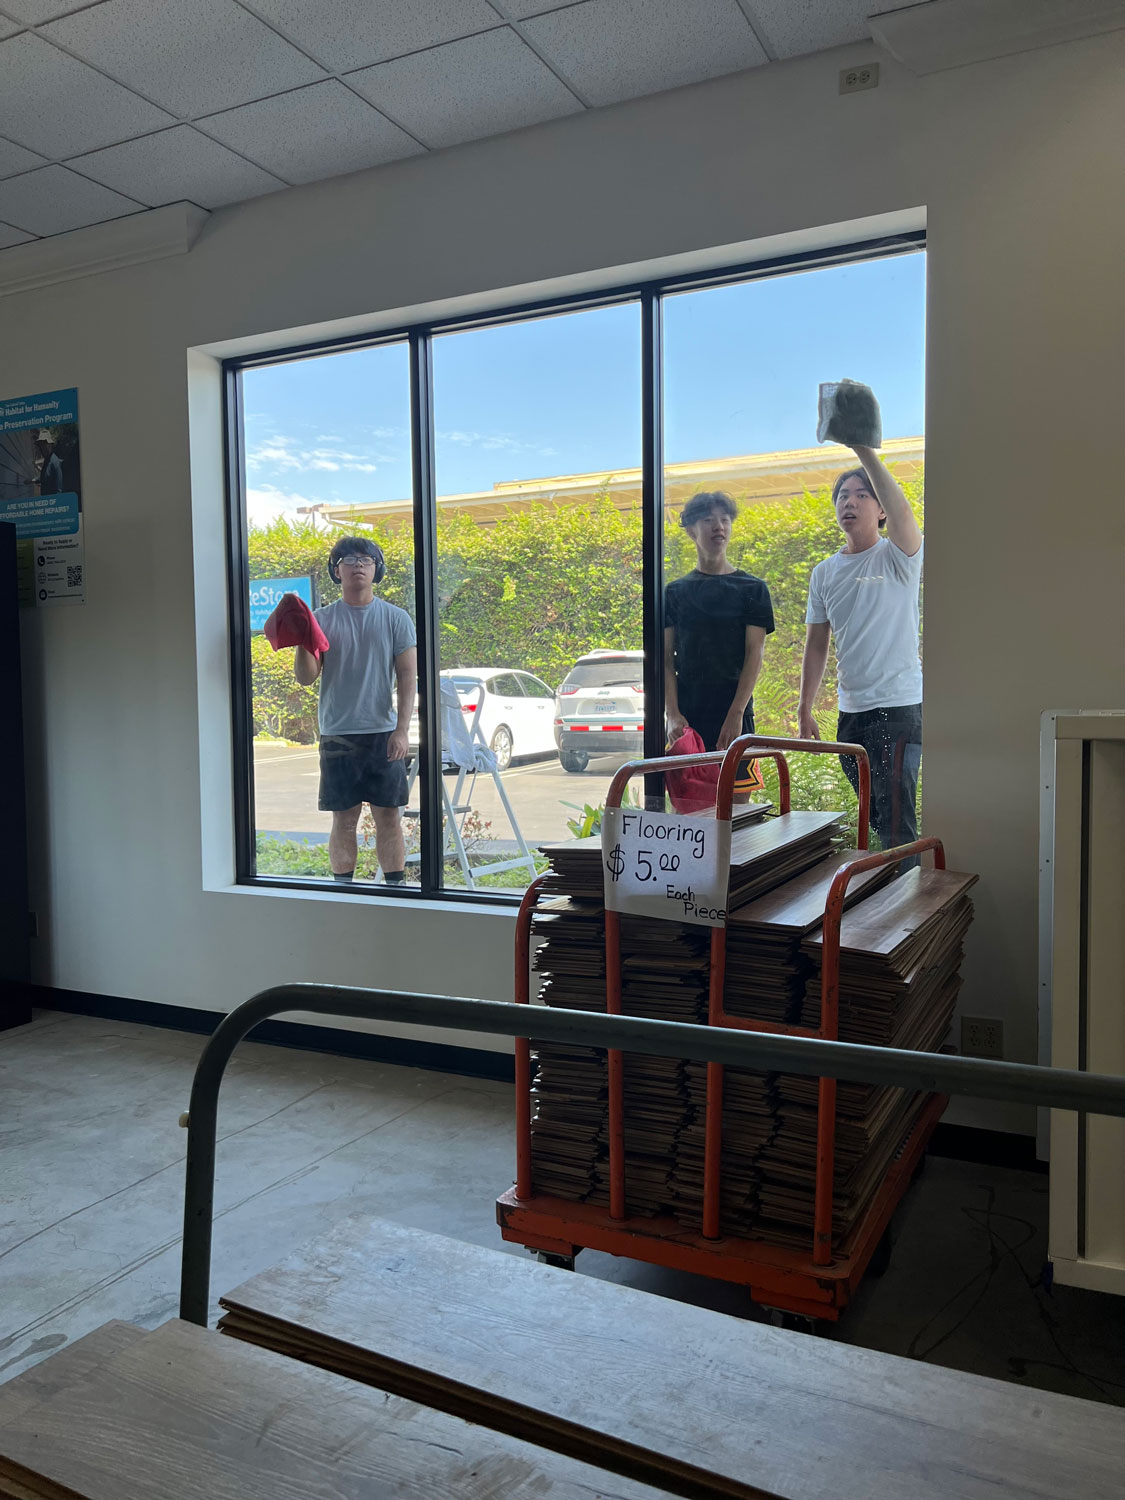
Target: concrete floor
91,1157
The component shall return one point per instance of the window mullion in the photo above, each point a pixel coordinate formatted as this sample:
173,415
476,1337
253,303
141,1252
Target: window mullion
426,609
652,531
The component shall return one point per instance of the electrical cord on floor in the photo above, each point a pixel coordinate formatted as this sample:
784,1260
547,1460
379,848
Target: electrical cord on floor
1000,1250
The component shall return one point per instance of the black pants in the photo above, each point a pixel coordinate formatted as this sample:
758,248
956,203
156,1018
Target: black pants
892,738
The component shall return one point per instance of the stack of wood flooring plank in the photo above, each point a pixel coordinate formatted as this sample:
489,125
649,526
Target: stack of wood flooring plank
183,1414
664,970
900,955
767,973
763,851
766,977
901,951
673,1395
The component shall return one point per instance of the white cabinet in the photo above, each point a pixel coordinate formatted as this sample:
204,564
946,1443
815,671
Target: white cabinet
1082,984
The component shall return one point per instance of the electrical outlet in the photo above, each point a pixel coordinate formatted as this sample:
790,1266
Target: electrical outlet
865,76
982,1036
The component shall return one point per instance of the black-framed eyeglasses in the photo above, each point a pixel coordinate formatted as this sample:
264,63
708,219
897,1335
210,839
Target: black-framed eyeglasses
354,559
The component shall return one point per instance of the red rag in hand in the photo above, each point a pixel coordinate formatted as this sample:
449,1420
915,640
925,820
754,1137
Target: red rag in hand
294,624
693,789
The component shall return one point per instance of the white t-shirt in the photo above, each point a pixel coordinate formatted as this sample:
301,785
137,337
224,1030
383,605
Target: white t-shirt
358,672
870,599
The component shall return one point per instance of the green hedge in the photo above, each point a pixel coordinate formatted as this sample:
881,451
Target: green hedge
543,586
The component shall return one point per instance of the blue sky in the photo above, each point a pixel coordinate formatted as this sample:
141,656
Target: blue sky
561,395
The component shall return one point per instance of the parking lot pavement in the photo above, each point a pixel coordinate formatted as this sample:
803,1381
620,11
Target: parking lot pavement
286,779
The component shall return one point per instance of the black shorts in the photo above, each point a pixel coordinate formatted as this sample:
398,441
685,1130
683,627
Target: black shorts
705,706
354,768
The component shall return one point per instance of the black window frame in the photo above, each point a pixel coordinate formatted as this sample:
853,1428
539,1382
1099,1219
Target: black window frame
418,337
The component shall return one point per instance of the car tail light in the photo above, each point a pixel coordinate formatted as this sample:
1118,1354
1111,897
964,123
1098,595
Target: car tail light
637,687
567,692
468,708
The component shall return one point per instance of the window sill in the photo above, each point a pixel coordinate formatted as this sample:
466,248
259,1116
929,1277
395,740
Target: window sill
459,903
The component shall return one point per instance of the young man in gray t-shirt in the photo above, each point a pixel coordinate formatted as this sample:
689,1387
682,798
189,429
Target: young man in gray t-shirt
363,733
866,596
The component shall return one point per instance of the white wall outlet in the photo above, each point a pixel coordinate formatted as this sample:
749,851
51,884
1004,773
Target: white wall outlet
863,76
982,1036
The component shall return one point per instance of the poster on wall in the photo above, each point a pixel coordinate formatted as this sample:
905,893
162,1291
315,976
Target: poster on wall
41,493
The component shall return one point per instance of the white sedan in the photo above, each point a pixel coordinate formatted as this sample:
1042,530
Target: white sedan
517,710
517,714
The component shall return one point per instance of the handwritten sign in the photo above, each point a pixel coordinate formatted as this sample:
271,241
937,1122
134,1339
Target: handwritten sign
659,865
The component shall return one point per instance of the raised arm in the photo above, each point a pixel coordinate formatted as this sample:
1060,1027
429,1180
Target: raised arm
902,528
406,683
813,664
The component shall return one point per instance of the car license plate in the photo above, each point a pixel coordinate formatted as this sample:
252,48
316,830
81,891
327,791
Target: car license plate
605,708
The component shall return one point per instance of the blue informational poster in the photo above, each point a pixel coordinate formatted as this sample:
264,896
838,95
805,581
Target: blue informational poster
41,495
266,594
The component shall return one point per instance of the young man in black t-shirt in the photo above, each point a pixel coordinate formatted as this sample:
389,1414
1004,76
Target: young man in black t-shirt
716,620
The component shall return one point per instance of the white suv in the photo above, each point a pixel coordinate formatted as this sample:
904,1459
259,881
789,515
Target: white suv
600,708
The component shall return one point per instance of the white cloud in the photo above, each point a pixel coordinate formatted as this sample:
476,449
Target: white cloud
267,503
491,442
285,454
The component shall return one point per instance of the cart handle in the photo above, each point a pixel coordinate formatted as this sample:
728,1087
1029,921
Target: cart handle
761,747
522,995
705,757
830,1028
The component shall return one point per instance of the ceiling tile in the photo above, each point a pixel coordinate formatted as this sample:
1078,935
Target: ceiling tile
347,34
53,200
321,131
9,235
14,159
480,86
191,58
35,12
7,28
793,27
174,165
58,106
618,49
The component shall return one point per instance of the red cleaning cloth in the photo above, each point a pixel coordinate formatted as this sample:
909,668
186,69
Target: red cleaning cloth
294,624
692,790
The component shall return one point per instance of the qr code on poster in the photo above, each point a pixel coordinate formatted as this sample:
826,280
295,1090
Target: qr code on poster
74,577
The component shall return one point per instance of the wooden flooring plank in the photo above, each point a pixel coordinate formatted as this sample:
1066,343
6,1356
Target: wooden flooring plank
565,1358
798,905
186,1413
66,1367
888,917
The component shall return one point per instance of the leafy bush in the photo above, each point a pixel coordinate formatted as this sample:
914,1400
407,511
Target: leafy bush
543,586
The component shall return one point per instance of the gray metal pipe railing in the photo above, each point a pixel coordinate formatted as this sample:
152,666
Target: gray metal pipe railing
930,1072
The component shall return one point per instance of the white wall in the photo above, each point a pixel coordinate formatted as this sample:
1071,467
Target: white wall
1018,164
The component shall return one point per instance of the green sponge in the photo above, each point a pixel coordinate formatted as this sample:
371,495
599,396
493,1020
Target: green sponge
849,414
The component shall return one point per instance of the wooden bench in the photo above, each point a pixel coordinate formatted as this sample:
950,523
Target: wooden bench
693,1401
179,1413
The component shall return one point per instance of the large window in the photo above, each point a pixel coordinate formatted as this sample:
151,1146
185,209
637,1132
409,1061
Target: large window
523,479
533,577
742,367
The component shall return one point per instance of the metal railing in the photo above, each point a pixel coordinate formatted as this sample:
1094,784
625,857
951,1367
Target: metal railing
1019,1083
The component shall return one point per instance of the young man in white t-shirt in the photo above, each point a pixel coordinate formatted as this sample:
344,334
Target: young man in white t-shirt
866,597
363,732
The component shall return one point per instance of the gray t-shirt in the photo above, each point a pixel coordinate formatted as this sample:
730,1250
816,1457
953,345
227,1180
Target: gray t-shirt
870,599
358,673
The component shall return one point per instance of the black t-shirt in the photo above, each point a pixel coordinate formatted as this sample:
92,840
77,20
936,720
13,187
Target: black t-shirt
709,613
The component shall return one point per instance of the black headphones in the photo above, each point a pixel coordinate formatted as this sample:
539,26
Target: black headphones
373,550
